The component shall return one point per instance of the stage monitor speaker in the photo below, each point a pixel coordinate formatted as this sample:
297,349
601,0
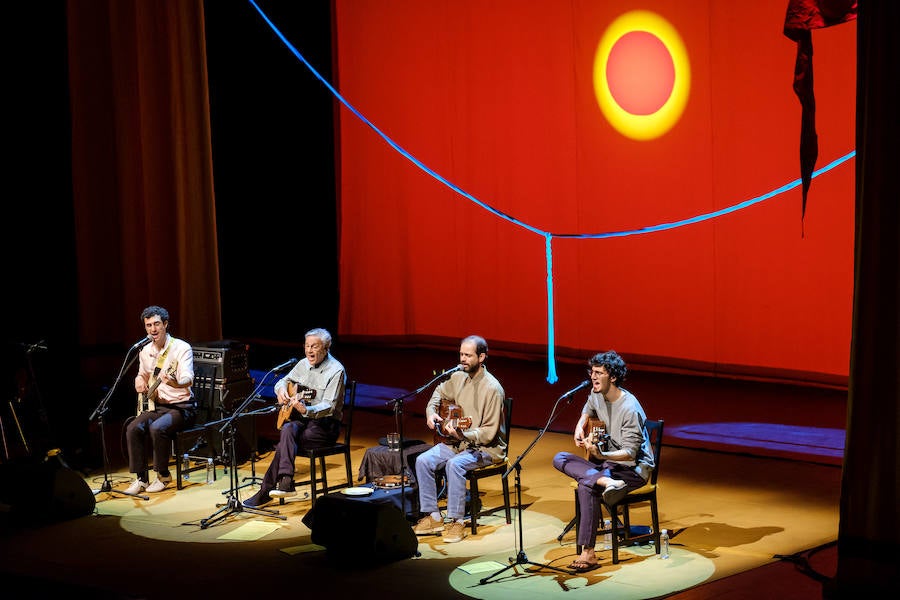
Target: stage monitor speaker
39,491
348,526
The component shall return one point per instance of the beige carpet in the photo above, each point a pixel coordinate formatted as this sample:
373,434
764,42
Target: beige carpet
727,513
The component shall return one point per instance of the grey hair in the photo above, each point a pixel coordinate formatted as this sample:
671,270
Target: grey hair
322,334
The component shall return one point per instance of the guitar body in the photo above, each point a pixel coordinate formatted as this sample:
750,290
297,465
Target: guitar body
452,414
596,432
147,401
298,393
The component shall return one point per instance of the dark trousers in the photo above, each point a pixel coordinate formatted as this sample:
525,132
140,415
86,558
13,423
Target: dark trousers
302,433
590,495
155,430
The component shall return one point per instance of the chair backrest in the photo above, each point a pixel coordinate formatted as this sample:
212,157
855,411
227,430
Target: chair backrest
655,431
347,413
506,421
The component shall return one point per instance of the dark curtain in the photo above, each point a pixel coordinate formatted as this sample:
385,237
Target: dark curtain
142,181
869,530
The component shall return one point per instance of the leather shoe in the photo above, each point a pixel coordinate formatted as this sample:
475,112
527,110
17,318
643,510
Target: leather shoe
285,487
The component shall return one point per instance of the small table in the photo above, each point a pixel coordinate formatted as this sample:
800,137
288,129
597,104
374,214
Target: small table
379,461
373,525
389,497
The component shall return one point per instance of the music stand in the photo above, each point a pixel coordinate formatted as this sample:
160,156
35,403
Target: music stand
233,503
99,412
521,558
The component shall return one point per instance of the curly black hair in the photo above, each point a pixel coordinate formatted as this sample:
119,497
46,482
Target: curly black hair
613,363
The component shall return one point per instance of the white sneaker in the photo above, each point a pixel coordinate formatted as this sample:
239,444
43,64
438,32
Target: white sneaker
160,484
137,486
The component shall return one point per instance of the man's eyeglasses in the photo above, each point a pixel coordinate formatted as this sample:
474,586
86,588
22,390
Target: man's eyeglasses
592,372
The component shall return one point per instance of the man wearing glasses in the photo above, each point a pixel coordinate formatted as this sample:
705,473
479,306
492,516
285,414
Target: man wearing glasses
612,472
313,391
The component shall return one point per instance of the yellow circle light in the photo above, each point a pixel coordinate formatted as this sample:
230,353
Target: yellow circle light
656,123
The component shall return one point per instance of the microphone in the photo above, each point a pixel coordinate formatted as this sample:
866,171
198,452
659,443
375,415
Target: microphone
141,342
285,365
574,390
453,370
29,348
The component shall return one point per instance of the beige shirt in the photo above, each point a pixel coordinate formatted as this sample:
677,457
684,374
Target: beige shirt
481,398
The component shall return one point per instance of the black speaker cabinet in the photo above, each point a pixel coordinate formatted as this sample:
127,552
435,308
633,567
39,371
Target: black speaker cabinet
361,528
215,403
34,491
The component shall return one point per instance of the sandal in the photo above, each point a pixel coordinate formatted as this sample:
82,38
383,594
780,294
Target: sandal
582,566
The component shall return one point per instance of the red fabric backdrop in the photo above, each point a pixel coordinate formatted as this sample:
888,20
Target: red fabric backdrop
498,99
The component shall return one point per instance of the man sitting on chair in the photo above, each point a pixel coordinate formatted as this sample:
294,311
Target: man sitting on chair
479,397
313,423
628,463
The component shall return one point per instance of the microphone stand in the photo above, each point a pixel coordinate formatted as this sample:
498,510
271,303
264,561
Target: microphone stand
521,558
398,416
106,486
233,503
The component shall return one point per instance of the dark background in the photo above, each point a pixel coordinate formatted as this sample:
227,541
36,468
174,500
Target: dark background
273,162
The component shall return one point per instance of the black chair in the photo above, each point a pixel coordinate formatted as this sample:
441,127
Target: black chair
475,475
621,531
318,455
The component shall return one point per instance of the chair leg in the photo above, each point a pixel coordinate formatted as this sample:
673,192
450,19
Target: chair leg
473,505
322,467
312,482
654,516
176,450
348,466
615,534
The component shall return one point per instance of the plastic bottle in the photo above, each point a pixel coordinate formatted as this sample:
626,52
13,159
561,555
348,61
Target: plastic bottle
607,537
185,467
664,543
210,470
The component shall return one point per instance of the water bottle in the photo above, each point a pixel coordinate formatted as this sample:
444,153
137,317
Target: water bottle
210,470
664,543
185,467
607,536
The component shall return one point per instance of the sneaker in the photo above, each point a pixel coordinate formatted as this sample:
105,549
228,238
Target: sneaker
137,486
285,487
454,532
614,492
427,525
160,484
260,498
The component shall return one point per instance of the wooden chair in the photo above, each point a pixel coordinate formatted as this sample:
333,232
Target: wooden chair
316,456
475,475
621,532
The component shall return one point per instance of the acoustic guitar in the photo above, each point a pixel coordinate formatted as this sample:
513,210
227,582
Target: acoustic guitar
452,415
147,401
299,393
596,434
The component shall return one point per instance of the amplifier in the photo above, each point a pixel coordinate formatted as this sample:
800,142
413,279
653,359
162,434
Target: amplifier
226,360
220,400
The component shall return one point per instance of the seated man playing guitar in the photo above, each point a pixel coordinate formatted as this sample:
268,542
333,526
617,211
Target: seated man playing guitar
467,435
311,400
165,400
618,453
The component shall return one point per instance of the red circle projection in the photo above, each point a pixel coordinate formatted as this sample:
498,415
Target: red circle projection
645,90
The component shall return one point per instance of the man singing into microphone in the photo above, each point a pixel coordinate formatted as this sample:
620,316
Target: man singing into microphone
165,400
314,389
608,473
479,397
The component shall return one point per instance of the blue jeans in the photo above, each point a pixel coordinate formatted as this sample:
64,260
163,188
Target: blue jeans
455,465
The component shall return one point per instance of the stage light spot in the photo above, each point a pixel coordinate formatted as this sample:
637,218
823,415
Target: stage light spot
642,75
